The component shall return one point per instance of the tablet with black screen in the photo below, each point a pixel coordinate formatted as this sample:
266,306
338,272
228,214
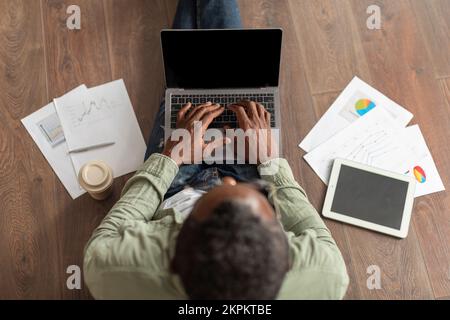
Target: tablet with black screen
369,197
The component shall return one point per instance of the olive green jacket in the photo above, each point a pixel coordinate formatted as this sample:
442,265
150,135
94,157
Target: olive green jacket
129,254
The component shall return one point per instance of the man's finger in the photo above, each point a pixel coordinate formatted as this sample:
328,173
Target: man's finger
250,107
253,108
198,109
268,116
210,116
205,110
261,110
183,111
240,112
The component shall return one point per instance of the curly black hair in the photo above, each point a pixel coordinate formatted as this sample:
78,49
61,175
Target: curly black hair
233,254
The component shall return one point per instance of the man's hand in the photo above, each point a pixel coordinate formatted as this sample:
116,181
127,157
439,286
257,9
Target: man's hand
205,113
253,116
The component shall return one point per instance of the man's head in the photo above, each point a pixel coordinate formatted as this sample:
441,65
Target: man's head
232,246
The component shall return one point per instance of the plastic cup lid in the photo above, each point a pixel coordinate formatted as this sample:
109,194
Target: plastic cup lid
95,176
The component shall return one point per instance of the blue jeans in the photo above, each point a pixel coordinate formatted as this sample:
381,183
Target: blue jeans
201,14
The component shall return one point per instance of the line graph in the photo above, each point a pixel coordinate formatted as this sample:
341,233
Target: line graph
373,139
92,106
91,116
91,111
373,147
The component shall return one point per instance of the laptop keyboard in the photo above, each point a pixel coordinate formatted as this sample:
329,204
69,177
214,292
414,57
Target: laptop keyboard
228,117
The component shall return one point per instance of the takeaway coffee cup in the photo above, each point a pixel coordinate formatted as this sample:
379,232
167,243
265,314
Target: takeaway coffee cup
96,178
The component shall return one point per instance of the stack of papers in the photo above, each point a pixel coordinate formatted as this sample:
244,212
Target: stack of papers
83,118
365,126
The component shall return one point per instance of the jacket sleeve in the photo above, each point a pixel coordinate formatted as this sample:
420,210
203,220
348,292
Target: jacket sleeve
125,240
312,247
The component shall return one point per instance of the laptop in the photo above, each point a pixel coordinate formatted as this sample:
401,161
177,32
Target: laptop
222,66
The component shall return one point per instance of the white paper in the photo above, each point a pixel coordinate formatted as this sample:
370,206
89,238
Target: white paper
84,119
423,170
121,126
56,155
343,112
375,139
183,201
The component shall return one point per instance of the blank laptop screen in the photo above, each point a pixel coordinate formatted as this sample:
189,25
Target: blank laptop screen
370,197
211,59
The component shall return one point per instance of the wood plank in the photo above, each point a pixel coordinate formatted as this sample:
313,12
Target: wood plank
135,53
403,273
74,58
397,60
445,87
328,47
432,17
28,240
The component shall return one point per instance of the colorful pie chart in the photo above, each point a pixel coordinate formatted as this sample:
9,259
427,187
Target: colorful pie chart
420,175
363,106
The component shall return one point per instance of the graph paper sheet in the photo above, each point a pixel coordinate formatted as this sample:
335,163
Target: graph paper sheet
85,120
116,114
375,139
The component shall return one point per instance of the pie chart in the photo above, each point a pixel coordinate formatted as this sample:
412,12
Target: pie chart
363,106
419,174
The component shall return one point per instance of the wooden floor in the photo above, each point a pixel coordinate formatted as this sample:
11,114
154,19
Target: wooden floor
43,231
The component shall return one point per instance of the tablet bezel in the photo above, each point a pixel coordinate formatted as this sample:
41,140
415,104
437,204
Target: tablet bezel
409,201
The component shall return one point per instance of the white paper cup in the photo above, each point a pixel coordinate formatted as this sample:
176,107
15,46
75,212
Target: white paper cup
96,178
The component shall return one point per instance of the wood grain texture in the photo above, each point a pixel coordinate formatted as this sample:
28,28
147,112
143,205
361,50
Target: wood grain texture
326,43
399,67
26,244
432,215
445,87
432,17
135,53
74,58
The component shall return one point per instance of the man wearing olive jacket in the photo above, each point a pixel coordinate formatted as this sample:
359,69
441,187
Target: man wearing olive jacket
198,231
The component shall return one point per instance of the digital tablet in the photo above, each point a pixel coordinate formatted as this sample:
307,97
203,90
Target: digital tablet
370,198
